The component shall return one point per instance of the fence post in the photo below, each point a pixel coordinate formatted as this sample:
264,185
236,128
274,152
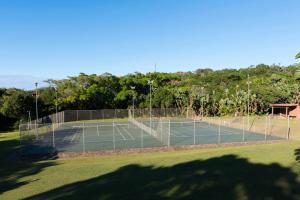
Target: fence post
98,130
142,138
20,136
102,115
114,141
288,128
83,137
266,128
161,129
169,134
270,130
243,128
194,132
53,136
219,136
36,131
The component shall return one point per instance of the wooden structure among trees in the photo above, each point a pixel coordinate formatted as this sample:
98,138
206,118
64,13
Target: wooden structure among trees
292,110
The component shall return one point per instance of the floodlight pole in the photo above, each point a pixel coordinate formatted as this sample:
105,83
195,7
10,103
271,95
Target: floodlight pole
133,88
56,102
36,104
237,96
150,82
202,102
248,103
29,117
214,103
29,120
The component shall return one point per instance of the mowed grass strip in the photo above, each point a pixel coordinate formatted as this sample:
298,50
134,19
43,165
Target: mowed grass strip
267,171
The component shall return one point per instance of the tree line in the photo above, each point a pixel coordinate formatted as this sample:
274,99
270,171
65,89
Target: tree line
206,91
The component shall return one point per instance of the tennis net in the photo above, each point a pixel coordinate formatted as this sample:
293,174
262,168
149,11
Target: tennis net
158,130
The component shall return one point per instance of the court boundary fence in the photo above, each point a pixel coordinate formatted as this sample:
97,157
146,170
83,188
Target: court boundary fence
45,134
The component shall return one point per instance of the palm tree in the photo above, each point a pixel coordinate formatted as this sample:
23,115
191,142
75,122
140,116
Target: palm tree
298,55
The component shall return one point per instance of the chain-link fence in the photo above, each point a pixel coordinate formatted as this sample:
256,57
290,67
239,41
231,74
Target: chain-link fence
118,129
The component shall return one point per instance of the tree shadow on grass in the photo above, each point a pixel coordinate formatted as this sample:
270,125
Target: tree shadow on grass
297,154
12,169
226,177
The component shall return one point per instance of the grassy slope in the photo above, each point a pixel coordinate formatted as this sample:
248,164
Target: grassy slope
191,174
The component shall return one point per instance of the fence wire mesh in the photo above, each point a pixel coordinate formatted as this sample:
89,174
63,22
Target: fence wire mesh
117,129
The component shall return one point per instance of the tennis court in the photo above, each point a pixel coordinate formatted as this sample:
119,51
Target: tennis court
114,134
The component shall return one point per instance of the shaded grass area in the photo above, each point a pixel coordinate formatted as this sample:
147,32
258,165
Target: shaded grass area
268,171
200,179
13,170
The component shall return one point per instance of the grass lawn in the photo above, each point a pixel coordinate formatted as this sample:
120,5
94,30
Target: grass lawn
268,171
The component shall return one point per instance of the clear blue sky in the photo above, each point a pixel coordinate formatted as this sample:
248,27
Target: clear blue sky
56,38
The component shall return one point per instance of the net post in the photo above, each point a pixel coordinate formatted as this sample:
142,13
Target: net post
114,141
83,138
194,131
169,134
98,130
288,128
53,136
219,134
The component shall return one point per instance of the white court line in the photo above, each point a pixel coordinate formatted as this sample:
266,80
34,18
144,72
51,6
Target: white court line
237,132
120,133
176,135
128,133
180,132
215,133
210,135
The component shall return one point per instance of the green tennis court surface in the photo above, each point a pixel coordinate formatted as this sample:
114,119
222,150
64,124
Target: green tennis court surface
100,136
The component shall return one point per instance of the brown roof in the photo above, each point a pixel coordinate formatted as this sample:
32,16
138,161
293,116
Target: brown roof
284,105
